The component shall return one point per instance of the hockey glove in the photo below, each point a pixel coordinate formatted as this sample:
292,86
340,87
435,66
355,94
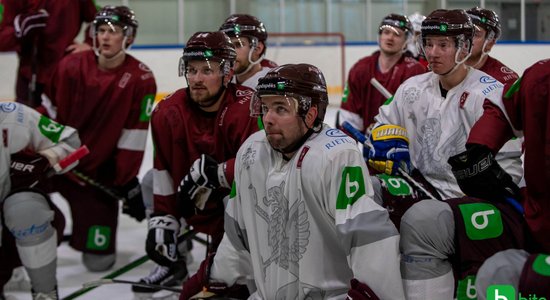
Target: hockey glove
133,199
479,175
161,244
27,25
390,149
204,176
360,291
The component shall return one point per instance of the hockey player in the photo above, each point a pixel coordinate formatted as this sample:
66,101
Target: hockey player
248,35
487,32
107,95
196,131
389,66
29,236
301,222
438,109
527,109
42,32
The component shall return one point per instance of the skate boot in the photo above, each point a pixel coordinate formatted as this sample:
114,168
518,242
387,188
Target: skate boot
171,276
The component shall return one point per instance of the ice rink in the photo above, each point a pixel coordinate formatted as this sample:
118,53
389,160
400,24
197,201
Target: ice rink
71,273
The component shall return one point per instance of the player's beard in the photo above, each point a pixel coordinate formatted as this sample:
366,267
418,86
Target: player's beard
204,98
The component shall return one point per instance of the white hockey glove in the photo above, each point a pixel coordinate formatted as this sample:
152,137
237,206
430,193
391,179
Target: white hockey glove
161,244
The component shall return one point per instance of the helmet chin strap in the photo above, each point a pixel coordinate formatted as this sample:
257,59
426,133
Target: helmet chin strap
251,62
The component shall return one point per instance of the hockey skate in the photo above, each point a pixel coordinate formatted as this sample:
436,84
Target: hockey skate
19,281
171,276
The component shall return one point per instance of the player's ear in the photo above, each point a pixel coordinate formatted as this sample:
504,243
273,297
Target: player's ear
311,115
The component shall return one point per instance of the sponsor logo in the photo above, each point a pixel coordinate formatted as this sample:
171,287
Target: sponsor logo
31,230
501,292
98,237
340,141
281,85
50,129
8,106
487,79
541,265
482,221
466,288
396,185
144,67
491,88
146,107
506,70
335,133
352,187
262,86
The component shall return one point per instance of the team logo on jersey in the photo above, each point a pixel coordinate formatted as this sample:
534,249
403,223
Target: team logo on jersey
335,133
352,187
99,237
8,106
466,288
146,107
463,98
50,129
487,79
541,264
124,80
482,220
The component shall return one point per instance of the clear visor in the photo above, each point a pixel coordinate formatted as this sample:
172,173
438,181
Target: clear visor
281,105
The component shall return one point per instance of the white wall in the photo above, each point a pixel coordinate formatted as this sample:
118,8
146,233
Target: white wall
164,63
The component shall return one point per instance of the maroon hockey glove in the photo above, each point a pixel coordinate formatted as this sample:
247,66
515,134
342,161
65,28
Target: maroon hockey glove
30,24
360,291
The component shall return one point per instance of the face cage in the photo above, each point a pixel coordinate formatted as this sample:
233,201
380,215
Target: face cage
460,45
300,104
127,31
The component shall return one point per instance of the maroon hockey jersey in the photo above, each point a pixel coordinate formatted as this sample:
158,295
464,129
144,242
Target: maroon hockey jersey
363,99
109,108
182,132
63,25
499,71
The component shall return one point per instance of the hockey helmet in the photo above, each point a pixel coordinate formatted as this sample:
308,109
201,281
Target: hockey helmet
209,46
396,21
303,82
117,15
487,19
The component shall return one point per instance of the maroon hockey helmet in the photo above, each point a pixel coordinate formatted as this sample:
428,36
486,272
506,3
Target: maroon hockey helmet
249,26
209,46
397,21
448,23
303,82
117,15
487,19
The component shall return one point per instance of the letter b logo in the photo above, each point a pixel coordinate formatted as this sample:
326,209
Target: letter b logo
501,292
99,237
482,221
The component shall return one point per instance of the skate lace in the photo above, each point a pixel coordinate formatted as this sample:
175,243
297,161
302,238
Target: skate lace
45,296
158,273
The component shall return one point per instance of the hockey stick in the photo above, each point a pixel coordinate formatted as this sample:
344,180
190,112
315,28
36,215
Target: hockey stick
65,163
93,284
363,140
86,287
380,88
107,190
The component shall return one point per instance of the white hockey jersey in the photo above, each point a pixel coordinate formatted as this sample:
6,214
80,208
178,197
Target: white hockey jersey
303,228
252,82
22,127
438,127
